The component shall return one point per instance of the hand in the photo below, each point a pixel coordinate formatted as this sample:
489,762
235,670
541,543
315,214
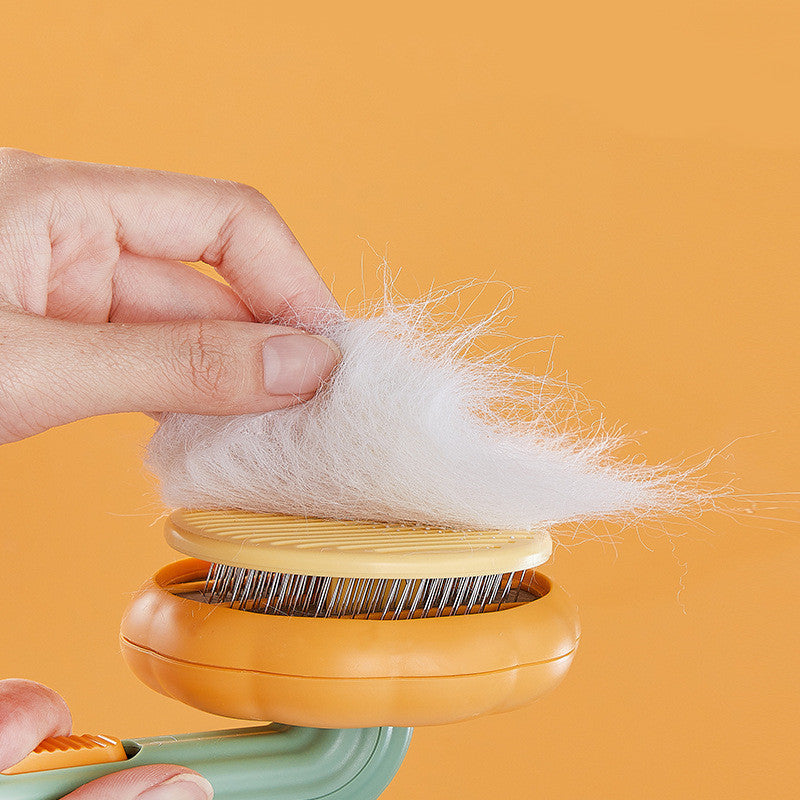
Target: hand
98,314
30,712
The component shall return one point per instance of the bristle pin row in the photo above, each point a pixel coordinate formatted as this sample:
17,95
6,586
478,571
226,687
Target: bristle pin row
288,594
299,566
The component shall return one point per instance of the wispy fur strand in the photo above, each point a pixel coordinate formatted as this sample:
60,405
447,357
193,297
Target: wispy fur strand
412,428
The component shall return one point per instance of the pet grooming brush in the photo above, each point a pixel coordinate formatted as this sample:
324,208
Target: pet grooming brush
354,631
338,624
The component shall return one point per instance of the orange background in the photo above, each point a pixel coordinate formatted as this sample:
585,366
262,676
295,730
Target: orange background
636,167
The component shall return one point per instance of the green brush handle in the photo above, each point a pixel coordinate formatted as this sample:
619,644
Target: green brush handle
275,761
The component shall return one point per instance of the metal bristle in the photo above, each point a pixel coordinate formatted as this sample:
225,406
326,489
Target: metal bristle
377,598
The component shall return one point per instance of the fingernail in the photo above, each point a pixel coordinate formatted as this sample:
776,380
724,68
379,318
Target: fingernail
297,363
186,786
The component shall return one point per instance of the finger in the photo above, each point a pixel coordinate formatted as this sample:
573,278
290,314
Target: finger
159,782
228,225
159,290
29,712
55,372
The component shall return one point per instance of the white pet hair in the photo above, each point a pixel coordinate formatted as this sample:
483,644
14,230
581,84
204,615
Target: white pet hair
412,428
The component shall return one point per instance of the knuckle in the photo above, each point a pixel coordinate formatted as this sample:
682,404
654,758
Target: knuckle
246,209
251,196
206,361
26,180
12,155
253,205
15,162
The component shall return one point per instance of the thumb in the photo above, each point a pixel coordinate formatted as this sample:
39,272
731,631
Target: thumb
159,782
29,712
53,371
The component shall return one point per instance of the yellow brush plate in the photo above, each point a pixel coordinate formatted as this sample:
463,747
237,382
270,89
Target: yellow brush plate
333,548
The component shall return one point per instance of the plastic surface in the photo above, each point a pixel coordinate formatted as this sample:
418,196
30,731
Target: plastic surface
332,548
275,761
57,752
342,673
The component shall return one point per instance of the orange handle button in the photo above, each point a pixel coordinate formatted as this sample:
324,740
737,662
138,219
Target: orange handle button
57,752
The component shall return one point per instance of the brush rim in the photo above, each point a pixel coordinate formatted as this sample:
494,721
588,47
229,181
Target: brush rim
344,549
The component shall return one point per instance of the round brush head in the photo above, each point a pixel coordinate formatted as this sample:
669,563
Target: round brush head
279,564
337,624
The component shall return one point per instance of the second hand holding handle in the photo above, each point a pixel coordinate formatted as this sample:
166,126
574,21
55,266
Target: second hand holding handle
282,762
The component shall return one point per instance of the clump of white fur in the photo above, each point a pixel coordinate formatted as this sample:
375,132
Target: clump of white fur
411,428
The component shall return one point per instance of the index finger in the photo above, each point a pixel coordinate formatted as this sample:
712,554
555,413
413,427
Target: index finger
228,225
